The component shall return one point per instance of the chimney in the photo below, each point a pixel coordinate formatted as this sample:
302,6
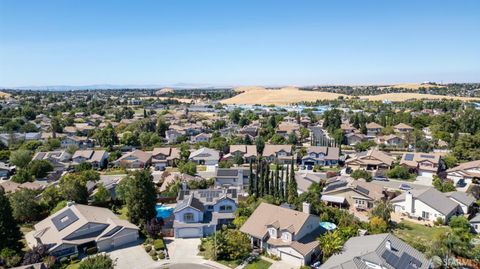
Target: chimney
388,245
306,207
409,202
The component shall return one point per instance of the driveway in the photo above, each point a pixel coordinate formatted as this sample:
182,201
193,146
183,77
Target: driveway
183,248
131,257
282,265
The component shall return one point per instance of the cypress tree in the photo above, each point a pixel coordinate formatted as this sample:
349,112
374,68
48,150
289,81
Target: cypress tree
9,232
260,179
285,196
292,186
251,188
276,189
266,186
257,177
280,187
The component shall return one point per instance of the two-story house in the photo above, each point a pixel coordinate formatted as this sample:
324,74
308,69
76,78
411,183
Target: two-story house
278,153
286,233
199,213
232,177
247,152
163,157
403,128
424,164
373,129
201,137
324,156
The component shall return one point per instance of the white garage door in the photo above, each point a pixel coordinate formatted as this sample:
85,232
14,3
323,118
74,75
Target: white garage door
426,174
290,259
188,232
122,239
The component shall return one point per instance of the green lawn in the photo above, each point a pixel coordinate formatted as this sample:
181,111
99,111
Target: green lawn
258,264
231,264
73,266
417,233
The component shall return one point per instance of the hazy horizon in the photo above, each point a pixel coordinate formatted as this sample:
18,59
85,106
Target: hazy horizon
224,43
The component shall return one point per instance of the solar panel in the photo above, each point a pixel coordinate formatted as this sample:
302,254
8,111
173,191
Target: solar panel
409,157
64,219
363,190
427,156
390,258
113,231
406,261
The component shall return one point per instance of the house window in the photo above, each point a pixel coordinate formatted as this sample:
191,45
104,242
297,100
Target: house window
210,207
188,217
425,215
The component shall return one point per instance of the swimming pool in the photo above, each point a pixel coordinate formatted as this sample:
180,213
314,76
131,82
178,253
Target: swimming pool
163,211
328,225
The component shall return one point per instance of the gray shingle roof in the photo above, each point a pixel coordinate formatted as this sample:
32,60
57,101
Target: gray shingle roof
433,198
359,251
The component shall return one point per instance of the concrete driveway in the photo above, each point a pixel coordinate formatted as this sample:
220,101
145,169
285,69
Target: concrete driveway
282,265
131,257
183,248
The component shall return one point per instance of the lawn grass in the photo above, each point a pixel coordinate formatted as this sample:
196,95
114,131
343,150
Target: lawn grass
231,264
201,168
418,234
258,264
73,266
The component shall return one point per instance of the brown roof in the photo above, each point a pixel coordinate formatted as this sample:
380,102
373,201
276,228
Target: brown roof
268,214
270,150
9,186
465,166
402,126
372,157
374,125
412,159
139,154
331,153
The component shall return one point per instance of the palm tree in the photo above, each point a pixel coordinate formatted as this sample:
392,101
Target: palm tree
330,243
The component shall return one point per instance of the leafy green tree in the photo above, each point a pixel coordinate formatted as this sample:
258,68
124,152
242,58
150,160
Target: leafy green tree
364,146
330,243
9,257
382,209
25,207
141,198
50,197
130,139
189,168
74,188
31,145
377,225
9,230
459,224
40,168
20,158
101,196
107,137
162,126
357,174
400,172
100,261
22,176
443,186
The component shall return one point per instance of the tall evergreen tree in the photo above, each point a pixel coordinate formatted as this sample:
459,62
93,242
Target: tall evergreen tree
141,198
9,232
285,196
260,179
292,185
266,186
257,177
276,189
251,186
281,188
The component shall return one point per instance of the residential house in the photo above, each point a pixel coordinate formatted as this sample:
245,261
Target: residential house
371,160
377,251
403,128
428,204
77,227
306,179
201,137
135,159
390,140
6,170
172,135
163,157
232,177
247,152
355,138
97,158
353,194
347,128
278,153
464,200
286,128
80,142
475,223
286,233
464,173
205,156
199,213
424,164
373,129
323,156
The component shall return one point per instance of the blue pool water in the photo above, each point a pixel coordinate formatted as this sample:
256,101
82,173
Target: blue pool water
163,211
328,225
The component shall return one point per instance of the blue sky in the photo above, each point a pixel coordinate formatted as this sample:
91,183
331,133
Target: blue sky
244,42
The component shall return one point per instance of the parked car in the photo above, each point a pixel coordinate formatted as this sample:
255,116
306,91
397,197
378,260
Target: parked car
380,178
405,187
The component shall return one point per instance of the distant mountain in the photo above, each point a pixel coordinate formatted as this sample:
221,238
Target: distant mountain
113,86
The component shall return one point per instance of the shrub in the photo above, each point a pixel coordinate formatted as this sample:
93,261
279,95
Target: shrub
439,221
148,248
161,255
63,260
152,252
399,172
155,258
74,257
159,244
92,250
362,174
